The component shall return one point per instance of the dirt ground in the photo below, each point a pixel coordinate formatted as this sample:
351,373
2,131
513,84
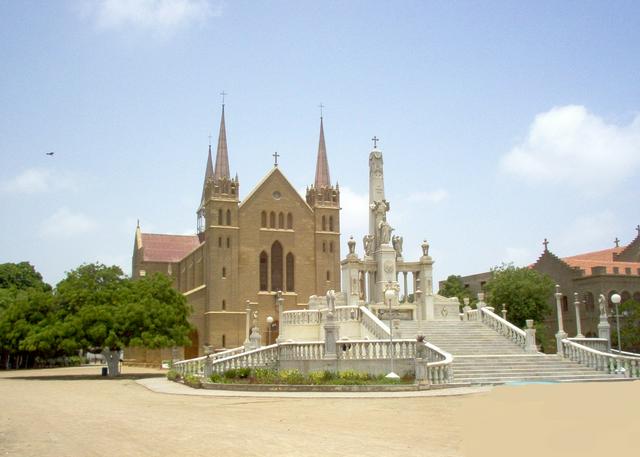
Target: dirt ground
71,412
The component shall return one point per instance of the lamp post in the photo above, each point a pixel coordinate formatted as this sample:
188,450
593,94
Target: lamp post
389,295
615,298
269,324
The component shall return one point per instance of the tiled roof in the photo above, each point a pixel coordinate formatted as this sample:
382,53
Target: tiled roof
167,248
602,258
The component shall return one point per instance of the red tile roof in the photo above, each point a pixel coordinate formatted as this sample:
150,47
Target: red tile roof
602,258
167,248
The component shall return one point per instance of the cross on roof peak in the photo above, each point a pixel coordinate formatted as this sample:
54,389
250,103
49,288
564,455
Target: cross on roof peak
321,106
275,157
638,229
546,244
617,242
223,93
375,141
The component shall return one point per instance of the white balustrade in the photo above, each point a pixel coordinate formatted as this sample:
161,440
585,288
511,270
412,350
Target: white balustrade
302,317
313,350
599,344
436,368
375,349
503,327
346,313
472,314
626,366
374,325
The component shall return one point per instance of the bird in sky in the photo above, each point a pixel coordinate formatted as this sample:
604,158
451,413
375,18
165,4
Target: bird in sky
49,153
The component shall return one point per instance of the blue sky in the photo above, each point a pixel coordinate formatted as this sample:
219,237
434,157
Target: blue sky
501,123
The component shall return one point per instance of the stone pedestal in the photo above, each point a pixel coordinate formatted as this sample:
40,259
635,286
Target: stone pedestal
530,339
331,328
386,257
561,335
351,280
604,330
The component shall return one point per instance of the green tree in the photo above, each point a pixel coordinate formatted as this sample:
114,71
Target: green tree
100,310
21,276
524,291
630,326
454,287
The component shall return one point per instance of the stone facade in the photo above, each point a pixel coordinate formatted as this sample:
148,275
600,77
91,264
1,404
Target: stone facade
246,251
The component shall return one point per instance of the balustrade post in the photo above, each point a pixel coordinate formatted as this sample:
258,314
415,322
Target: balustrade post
530,338
561,335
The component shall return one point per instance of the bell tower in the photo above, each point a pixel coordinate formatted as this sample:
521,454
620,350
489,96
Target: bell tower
324,199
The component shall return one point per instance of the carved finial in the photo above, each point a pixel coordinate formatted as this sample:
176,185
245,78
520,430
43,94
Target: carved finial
375,142
617,242
138,224
546,245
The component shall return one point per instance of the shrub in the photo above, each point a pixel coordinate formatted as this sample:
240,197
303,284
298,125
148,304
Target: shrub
265,376
237,373
193,381
291,377
354,377
321,377
217,378
173,375
75,361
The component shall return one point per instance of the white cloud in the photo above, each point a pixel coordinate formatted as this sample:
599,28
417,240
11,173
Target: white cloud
585,233
65,223
518,256
38,180
152,15
569,145
434,196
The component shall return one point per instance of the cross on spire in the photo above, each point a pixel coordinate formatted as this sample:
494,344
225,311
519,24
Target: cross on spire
546,245
209,139
275,157
375,141
223,93
617,242
320,106
638,229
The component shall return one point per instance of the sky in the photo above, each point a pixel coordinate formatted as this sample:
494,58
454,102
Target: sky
501,123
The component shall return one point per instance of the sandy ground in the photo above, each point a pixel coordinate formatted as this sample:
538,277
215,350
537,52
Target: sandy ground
70,412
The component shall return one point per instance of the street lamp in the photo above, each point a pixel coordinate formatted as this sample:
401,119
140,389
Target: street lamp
616,299
269,324
389,295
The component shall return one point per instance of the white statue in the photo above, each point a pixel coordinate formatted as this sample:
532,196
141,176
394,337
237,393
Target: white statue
368,245
352,246
602,300
397,244
425,248
385,232
331,300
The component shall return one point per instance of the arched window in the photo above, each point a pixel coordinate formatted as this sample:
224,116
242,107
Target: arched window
224,272
589,301
328,275
324,223
220,221
331,246
331,223
228,243
281,220
264,271
263,217
289,221
224,340
272,219
290,273
219,241
228,217
324,246
276,266
625,296
224,305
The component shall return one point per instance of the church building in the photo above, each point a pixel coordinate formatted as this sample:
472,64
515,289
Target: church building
248,252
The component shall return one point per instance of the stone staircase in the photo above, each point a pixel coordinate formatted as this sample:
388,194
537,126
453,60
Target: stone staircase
482,356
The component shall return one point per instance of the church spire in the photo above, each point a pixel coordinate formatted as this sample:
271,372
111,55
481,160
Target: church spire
222,160
208,173
322,166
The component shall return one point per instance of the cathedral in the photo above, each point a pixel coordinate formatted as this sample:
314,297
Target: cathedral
247,253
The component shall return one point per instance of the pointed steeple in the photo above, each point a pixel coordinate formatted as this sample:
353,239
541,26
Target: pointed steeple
208,174
222,159
322,166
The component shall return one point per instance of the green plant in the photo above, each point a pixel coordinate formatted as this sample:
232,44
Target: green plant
217,378
193,380
354,376
291,377
320,377
173,375
265,376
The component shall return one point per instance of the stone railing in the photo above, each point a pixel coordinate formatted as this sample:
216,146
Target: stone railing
628,367
471,315
261,357
503,327
347,313
375,349
435,368
311,350
302,317
196,365
599,344
374,325
623,353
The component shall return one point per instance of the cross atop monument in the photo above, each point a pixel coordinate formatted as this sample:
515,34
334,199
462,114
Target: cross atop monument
275,158
617,242
546,245
223,93
320,106
375,142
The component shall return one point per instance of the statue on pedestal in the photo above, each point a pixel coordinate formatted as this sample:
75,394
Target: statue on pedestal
368,245
385,230
397,245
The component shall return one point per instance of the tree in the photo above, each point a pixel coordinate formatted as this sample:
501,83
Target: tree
630,326
524,291
454,287
100,310
21,276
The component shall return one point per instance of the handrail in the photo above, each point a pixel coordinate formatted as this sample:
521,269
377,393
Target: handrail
625,354
435,372
601,361
599,344
375,349
503,327
374,325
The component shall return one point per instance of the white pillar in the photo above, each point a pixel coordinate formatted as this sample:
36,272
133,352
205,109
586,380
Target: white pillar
561,335
576,303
